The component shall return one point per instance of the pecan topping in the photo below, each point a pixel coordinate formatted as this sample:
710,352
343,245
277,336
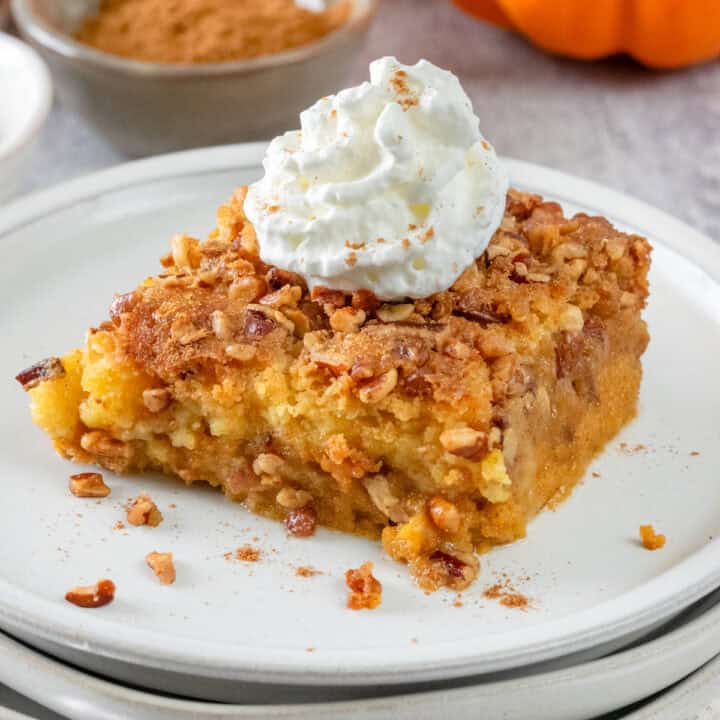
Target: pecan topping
365,590
378,389
221,325
98,442
365,300
301,522
258,324
390,313
347,320
276,278
464,442
40,372
240,352
268,464
292,499
326,296
444,514
485,316
92,596
88,484
161,563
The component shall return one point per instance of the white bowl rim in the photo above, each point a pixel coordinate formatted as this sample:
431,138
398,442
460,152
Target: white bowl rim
40,112
51,39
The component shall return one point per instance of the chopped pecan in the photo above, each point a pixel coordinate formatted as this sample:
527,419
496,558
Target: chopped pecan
98,442
292,499
301,521
92,596
261,321
445,515
464,442
365,300
184,250
347,320
268,464
121,304
246,289
144,511
258,324
161,563
378,389
365,590
326,296
240,352
88,484
221,325
381,494
286,296
417,383
483,315
276,278
40,372
398,312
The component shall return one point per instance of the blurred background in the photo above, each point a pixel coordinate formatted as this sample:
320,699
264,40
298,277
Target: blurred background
652,133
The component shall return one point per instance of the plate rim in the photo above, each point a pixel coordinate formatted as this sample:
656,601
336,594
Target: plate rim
621,616
677,639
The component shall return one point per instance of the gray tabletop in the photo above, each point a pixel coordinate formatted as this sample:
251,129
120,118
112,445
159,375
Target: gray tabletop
655,135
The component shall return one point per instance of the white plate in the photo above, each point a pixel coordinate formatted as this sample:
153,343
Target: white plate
576,693
67,250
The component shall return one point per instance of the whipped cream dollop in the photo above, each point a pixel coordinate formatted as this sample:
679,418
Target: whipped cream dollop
388,186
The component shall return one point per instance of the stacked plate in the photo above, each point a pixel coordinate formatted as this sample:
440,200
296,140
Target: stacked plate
607,623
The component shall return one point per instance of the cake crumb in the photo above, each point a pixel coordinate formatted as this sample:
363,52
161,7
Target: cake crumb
636,449
596,474
144,511
310,649
650,539
306,571
119,525
694,453
161,563
248,553
365,590
507,595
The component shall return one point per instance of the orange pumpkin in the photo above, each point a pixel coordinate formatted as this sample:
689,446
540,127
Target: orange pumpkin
658,33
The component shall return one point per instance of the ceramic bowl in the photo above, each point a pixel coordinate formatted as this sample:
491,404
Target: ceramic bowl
145,108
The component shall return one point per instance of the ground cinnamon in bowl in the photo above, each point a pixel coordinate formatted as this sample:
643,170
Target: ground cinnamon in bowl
205,31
